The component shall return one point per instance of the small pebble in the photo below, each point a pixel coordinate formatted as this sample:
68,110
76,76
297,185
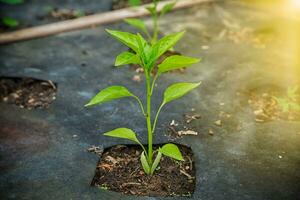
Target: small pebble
259,120
258,112
173,123
205,47
30,100
139,70
218,123
137,78
265,95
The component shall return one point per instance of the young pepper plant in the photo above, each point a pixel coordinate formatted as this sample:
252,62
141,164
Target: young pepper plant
290,102
8,21
146,55
155,15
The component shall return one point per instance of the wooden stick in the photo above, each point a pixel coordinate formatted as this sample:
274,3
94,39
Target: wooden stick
88,21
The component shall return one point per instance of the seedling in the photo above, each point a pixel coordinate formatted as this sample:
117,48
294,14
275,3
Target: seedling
290,101
155,15
146,55
8,21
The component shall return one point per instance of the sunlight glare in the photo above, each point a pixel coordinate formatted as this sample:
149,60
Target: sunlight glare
296,4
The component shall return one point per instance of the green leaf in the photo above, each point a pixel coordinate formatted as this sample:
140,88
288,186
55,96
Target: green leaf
126,58
145,164
12,2
167,8
172,151
134,2
177,90
144,50
108,94
164,44
124,133
126,38
295,106
141,47
137,23
156,162
151,10
292,92
176,62
10,22
283,104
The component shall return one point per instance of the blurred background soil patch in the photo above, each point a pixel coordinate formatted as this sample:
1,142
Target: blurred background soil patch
27,92
267,107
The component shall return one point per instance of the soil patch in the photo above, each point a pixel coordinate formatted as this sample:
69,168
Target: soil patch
266,108
27,92
120,170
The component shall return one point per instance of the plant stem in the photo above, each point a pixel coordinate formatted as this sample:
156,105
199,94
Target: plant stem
153,83
148,118
141,105
155,23
143,148
156,117
148,35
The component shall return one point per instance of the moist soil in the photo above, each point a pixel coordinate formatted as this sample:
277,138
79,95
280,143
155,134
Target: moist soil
118,4
120,170
27,92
